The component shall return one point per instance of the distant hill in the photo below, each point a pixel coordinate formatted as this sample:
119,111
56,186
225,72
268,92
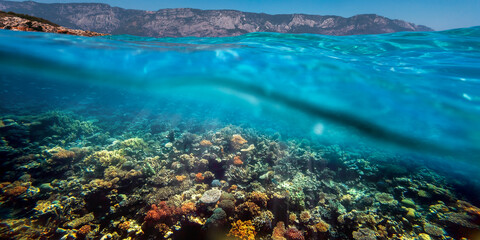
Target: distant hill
182,22
24,22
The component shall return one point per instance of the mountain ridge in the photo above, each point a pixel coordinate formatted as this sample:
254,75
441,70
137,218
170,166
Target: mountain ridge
184,22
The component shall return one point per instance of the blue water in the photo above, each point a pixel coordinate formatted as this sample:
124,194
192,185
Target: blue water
406,92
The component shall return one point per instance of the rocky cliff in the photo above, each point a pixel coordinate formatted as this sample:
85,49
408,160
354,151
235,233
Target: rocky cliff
21,22
181,22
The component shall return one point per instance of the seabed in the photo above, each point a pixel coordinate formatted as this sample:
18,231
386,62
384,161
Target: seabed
66,177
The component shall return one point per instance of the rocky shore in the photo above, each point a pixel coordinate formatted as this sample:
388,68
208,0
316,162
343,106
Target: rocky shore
10,21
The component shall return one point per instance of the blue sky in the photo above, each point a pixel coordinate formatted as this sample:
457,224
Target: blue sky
437,14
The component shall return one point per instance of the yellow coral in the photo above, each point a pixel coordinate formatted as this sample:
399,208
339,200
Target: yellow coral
133,143
107,158
243,230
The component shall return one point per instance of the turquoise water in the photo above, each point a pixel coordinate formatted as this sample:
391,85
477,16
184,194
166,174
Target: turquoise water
413,95
416,90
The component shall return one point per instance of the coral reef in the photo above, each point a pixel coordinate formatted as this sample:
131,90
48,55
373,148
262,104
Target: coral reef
65,177
243,230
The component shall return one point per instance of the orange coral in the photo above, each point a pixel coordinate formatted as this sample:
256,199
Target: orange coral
180,178
205,143
124,225
279,231
199,177
237,160
322,226
188,207
237,141
84,230
15,191
232,188
243,230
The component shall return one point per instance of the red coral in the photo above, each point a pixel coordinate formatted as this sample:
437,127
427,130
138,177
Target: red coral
161,213
294,234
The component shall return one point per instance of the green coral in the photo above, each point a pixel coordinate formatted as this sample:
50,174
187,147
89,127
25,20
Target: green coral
386,199
134,146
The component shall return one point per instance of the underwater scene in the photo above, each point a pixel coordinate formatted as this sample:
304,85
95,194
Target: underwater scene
259,136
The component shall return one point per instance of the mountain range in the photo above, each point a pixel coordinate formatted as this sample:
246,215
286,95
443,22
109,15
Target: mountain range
183,22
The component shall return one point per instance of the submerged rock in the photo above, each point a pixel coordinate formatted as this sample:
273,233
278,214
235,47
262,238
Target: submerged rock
211,196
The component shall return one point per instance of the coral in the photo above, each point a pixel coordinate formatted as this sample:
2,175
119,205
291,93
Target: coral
161,213
188,207
180,178
294,234
243,230
14,190
292,218
208,175
80,221
61,155
63,125
239,174
106,158
385,198
205,143
258,198
102,184
216,183
124,225
468,207
305,216
461,219
163,229
409,202
134,146
227,205
233,188
237,141
199,177
322,226
263,222
279,231
382,231
364,234
410,212
424,236
211,196
433,229
113,172
237,161
250,148
247,210
217,220
84,230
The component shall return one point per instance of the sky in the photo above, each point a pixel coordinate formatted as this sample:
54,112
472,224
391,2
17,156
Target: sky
437,14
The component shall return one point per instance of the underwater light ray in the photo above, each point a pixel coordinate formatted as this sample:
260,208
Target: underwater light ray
64,71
